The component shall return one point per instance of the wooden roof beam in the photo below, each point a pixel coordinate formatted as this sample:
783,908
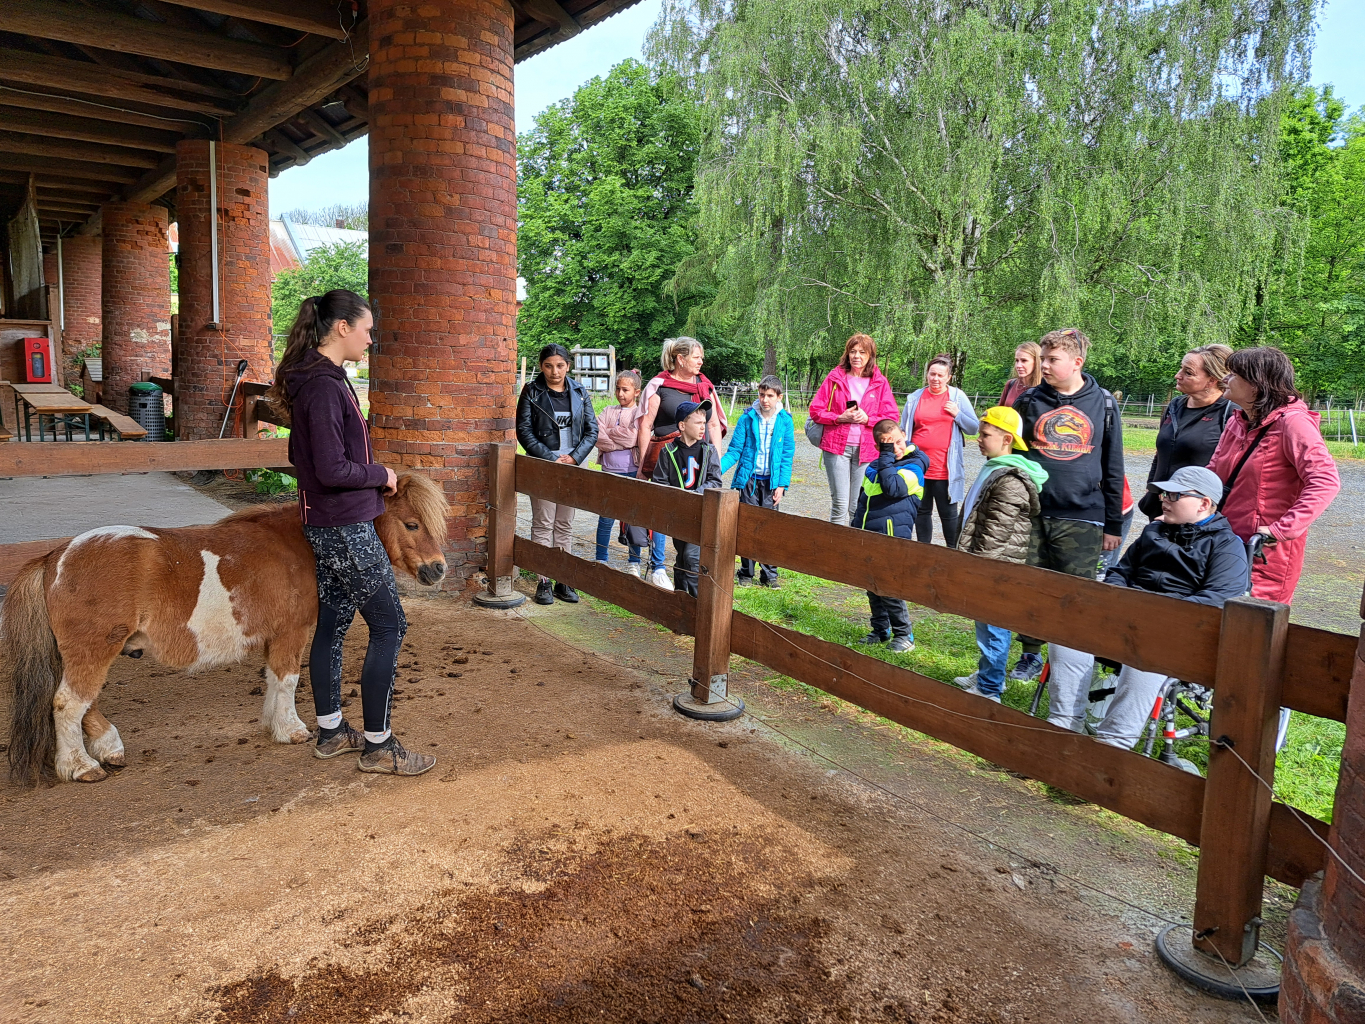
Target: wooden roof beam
31,99
315,78
66,168
282,141
321,125
82,129
313,16
78,76
13,142
73,23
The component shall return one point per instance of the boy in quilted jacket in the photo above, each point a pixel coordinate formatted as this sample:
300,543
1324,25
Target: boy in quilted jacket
998,515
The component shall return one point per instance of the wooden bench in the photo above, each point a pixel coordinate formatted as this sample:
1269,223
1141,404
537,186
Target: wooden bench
126,427
5,435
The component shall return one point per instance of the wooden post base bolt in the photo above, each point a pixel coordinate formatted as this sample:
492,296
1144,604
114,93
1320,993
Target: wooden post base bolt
499,594
707,697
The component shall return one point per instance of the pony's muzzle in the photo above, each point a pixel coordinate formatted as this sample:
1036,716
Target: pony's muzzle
431,573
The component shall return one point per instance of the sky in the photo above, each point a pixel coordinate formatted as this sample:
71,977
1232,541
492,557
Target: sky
342,176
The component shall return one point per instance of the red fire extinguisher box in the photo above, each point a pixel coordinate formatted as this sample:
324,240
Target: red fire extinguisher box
37,360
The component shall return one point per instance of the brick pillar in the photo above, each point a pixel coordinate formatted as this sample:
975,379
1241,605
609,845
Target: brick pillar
443,249
207,355
135,289
1324,966
81,259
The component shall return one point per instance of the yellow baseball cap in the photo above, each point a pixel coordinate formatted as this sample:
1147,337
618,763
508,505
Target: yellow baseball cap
1002,417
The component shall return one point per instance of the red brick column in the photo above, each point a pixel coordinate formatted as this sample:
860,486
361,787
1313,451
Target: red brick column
1324,966
135,288
207,355
80,280
443,249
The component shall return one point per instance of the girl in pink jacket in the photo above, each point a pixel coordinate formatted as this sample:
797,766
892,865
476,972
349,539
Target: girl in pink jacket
852,398
1277,473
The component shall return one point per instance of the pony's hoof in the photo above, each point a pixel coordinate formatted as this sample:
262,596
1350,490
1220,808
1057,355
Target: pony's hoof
95,774
300,736
115,760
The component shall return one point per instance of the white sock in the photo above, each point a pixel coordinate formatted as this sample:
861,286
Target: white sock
329,721
378,737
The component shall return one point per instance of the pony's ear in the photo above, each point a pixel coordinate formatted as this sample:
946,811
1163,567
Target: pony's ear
404,482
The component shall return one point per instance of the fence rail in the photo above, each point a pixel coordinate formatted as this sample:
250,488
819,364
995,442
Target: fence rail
1248,652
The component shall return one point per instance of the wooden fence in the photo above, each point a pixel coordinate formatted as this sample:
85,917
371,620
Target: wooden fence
1253,657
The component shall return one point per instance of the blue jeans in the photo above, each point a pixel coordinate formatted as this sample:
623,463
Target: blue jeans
656,546
994,644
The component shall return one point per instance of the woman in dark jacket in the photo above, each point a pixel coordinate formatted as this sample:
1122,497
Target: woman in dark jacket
341,491
1193,421
555,422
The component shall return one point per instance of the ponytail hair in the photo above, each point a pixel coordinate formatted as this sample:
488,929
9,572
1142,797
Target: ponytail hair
318,314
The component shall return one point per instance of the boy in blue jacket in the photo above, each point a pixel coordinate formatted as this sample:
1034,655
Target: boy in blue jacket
889,503
763,444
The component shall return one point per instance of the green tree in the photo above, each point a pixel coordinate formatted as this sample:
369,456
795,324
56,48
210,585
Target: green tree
343,265
605,215
1313,301
964,176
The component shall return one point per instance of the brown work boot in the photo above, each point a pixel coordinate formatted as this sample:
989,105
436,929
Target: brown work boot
392,758
344,741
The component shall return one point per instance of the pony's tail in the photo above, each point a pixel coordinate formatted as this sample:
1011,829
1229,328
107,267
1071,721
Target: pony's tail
28,651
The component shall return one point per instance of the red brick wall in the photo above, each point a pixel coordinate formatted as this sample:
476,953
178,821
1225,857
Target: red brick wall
136,297
207,358
1324,968
81,257
443,249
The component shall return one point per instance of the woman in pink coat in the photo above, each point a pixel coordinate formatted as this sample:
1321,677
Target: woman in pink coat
1288,478
852,398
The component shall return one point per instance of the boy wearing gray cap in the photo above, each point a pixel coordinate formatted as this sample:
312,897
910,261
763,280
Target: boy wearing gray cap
1189,552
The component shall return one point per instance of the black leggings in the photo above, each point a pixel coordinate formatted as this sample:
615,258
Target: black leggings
936,493
384,615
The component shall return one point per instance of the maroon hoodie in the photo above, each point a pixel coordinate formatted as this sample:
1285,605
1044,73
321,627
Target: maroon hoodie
329,444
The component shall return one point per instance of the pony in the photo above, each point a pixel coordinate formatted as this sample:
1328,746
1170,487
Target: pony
193,598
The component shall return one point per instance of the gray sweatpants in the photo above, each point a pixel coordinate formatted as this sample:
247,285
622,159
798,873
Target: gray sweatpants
845,475
1134,694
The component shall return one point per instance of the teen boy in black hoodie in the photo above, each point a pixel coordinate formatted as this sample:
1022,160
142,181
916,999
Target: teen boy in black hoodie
692,463
1073,430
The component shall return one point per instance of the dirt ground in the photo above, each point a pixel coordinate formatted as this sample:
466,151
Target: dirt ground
579,853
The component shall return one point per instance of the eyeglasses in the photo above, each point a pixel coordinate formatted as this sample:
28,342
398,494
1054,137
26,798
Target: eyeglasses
1174,496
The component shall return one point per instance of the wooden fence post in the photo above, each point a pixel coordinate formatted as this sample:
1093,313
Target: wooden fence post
709,697
502,527
1234,835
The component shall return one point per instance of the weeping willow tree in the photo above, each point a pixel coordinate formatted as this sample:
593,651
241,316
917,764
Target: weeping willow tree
963,175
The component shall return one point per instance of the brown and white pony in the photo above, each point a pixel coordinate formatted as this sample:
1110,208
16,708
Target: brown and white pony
193,598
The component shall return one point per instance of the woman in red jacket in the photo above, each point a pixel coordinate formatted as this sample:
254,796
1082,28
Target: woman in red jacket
1277,473
852,398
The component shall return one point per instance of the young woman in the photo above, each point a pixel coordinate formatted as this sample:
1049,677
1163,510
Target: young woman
1028,372
1279,476
341,491
555,422
853,397
1193,421
937,419
681,381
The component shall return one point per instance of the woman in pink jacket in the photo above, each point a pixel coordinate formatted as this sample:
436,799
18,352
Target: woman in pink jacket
1277,474
852,398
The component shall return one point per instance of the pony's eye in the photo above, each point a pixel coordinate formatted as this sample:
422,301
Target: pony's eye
414,527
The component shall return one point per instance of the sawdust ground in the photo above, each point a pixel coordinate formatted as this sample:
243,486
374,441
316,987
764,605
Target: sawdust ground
579,853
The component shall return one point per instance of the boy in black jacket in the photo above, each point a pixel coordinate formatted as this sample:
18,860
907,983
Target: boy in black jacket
1072,428
692,463
1190,553
889,503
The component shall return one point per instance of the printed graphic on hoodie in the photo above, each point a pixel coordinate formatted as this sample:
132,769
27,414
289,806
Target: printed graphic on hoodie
1063,434
690,474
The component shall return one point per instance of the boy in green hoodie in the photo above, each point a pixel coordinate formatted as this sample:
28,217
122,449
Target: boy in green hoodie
997,521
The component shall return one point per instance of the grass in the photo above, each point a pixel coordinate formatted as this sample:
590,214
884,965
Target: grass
945,647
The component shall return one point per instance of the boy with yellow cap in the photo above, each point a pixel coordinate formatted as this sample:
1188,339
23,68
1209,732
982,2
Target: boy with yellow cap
997,519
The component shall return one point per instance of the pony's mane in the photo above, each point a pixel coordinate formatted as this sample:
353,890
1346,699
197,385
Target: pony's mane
428,501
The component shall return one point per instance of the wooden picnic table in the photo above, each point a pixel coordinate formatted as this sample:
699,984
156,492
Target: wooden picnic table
49,400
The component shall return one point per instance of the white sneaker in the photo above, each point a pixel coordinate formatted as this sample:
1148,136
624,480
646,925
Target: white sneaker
977,693
966,682
632,569
659,577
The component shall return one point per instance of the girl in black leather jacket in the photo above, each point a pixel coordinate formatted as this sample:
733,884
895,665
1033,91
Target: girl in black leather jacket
556,422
